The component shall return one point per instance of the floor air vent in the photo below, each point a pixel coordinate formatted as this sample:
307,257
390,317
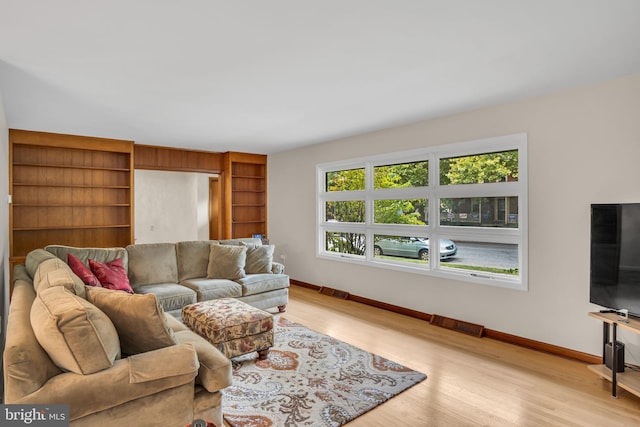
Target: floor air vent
334,292
457,325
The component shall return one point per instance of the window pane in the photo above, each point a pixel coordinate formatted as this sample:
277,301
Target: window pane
415,174
401,248
349,211
401,211
345,243
481,168
485,257
345,180
480,212
410,249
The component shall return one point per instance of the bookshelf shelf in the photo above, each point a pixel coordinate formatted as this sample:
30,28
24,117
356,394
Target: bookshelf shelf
69,190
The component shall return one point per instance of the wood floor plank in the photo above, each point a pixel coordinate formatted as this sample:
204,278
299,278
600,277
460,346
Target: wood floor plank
471,381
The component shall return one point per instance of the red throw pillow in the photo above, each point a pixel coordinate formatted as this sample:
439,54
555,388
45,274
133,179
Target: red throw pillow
111,275
82,271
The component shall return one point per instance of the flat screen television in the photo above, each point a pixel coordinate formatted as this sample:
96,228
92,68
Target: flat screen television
615,256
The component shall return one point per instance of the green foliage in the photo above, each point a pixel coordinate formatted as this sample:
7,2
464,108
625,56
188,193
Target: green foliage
400,211
345,243
346,180
402,175
346,211
492,167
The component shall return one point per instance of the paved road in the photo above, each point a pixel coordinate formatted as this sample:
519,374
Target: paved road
487,254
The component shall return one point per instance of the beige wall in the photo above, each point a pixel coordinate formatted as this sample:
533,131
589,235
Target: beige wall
4,219
583,147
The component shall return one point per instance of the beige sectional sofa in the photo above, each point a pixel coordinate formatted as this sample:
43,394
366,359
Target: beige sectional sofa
121,358
177,273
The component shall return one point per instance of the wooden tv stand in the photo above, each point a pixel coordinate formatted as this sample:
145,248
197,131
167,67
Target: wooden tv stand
628,380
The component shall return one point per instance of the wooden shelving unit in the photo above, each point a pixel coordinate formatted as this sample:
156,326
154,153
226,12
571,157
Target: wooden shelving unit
245,195
69,190
78,191
629,379
152,157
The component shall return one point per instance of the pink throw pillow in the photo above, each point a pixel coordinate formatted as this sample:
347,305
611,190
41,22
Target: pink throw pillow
82,271
111,275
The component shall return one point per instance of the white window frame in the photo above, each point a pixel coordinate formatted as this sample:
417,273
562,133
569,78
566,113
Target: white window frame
433,193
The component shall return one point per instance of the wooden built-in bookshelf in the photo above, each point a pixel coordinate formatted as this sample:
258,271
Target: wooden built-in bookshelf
245,194
69,190
153,157
79,191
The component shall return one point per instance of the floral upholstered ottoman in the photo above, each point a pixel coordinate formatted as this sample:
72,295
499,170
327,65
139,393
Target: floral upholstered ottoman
235,328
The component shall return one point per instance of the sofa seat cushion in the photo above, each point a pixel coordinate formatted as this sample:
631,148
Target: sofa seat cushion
152,263
139,319
213,288
259,283
172,296
84,254
77,335
215,369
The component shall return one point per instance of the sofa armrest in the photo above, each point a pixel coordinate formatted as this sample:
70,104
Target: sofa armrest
128,379
215,371
277,268
175,361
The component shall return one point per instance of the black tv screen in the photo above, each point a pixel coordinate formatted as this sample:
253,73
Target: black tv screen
615,256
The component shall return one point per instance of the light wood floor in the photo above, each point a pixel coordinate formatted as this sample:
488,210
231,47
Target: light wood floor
471,381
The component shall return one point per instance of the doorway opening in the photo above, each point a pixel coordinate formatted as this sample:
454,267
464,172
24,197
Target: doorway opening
215,208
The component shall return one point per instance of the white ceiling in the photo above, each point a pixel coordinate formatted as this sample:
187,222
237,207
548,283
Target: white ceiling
266,76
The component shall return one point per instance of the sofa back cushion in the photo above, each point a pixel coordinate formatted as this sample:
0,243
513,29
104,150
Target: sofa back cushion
152,263
193,259
84,254
35,258
235,242
139,319
55,272
76,335
226,262
259,259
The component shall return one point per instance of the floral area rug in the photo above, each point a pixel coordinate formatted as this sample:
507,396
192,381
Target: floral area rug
310,379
